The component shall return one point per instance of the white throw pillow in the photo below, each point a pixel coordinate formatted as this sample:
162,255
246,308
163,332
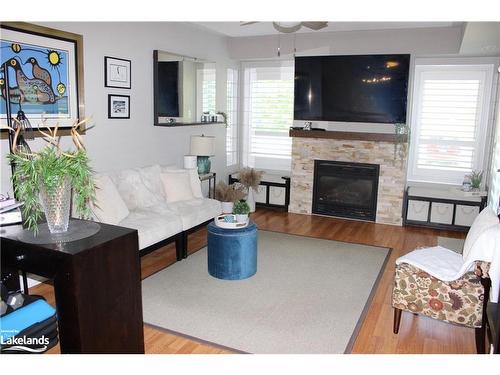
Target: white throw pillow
177,186
151,177
193,176
133,190
109,207
485,220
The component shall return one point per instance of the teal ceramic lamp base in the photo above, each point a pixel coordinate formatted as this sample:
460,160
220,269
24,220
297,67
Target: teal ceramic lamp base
204,164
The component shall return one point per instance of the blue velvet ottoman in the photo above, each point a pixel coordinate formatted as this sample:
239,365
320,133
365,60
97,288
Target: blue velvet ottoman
232,253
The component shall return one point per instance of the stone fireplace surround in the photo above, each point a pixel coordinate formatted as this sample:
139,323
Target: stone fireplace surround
392,177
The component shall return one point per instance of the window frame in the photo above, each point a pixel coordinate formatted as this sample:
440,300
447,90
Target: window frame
245,133
233,130
448,68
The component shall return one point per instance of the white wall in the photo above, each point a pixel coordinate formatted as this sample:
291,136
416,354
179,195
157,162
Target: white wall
481,38
116,144
493,179
423,41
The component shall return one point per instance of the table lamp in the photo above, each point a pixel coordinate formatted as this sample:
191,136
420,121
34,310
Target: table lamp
203,147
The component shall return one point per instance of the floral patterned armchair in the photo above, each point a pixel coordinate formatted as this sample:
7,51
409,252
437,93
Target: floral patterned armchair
461,301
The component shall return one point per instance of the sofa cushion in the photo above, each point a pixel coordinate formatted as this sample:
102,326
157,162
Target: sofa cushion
153,225
193,175
177,186
151,178
196,211
133,190
109,206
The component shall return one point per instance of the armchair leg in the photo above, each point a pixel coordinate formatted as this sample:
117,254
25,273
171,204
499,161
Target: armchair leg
397,320
481,331
480,340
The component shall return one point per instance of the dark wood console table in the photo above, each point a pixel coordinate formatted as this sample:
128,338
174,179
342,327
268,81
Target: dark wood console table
97,284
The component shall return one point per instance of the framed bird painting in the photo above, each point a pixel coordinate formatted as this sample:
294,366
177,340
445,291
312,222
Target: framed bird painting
41,75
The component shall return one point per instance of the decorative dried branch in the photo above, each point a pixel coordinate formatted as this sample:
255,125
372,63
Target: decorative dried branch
250,178
229,193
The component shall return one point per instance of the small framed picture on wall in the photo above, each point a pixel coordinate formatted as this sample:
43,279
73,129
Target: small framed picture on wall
117,72
118,106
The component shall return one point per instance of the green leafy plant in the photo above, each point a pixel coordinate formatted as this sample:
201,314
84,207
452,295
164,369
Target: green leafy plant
241,208
48,168
475,179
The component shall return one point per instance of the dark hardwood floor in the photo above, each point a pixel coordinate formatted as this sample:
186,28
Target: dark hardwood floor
417,334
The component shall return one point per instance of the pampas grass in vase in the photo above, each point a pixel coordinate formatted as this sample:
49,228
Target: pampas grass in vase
227,195
250,179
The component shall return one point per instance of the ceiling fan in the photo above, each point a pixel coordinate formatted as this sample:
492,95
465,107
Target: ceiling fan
291,27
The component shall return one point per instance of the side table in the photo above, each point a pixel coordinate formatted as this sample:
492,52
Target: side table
97,285
212,179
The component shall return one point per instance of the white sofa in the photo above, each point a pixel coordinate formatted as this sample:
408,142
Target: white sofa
162,209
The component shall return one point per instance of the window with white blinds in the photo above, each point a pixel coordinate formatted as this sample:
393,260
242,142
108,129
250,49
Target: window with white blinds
232,117
206,86
268,115
449,121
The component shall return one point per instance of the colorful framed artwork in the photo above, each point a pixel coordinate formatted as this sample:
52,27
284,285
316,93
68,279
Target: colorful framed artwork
118,106
117,72
42,74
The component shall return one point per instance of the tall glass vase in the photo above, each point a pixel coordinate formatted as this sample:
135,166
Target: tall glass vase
56,204
251,200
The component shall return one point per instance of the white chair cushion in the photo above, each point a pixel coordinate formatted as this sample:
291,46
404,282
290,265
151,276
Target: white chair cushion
133,190
152,226
193,175
177,186
196,211
109,206
485,220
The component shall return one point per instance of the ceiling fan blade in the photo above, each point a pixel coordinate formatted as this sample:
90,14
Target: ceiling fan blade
315,25
248,23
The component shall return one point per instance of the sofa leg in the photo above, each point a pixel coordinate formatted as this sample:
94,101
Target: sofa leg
179,246
397,320
184,245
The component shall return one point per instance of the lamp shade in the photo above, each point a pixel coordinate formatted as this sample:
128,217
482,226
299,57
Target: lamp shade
202,145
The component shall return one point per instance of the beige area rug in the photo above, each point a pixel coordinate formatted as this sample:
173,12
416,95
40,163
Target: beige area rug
308,296
455,244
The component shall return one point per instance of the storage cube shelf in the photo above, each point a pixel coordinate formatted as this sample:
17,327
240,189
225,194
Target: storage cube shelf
273,191
440,208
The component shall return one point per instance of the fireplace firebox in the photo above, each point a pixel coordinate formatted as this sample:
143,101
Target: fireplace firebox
345,189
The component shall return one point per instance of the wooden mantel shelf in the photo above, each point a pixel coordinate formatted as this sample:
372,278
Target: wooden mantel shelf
353,136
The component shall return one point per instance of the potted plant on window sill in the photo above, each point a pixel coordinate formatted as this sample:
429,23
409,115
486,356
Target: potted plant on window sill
43,180
241,210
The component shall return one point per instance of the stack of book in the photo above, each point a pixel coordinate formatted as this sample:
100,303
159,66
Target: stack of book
9,211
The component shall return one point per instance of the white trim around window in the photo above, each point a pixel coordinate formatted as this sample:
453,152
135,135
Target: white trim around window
449,122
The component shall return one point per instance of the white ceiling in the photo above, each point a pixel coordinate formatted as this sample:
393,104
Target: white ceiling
233,29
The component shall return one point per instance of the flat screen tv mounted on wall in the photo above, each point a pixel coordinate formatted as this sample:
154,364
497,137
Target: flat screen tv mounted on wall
358,88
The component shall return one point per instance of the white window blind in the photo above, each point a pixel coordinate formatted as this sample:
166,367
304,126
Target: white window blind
268,115
206,86
232,117
449,121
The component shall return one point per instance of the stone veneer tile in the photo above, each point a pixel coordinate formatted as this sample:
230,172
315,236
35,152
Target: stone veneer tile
392,176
